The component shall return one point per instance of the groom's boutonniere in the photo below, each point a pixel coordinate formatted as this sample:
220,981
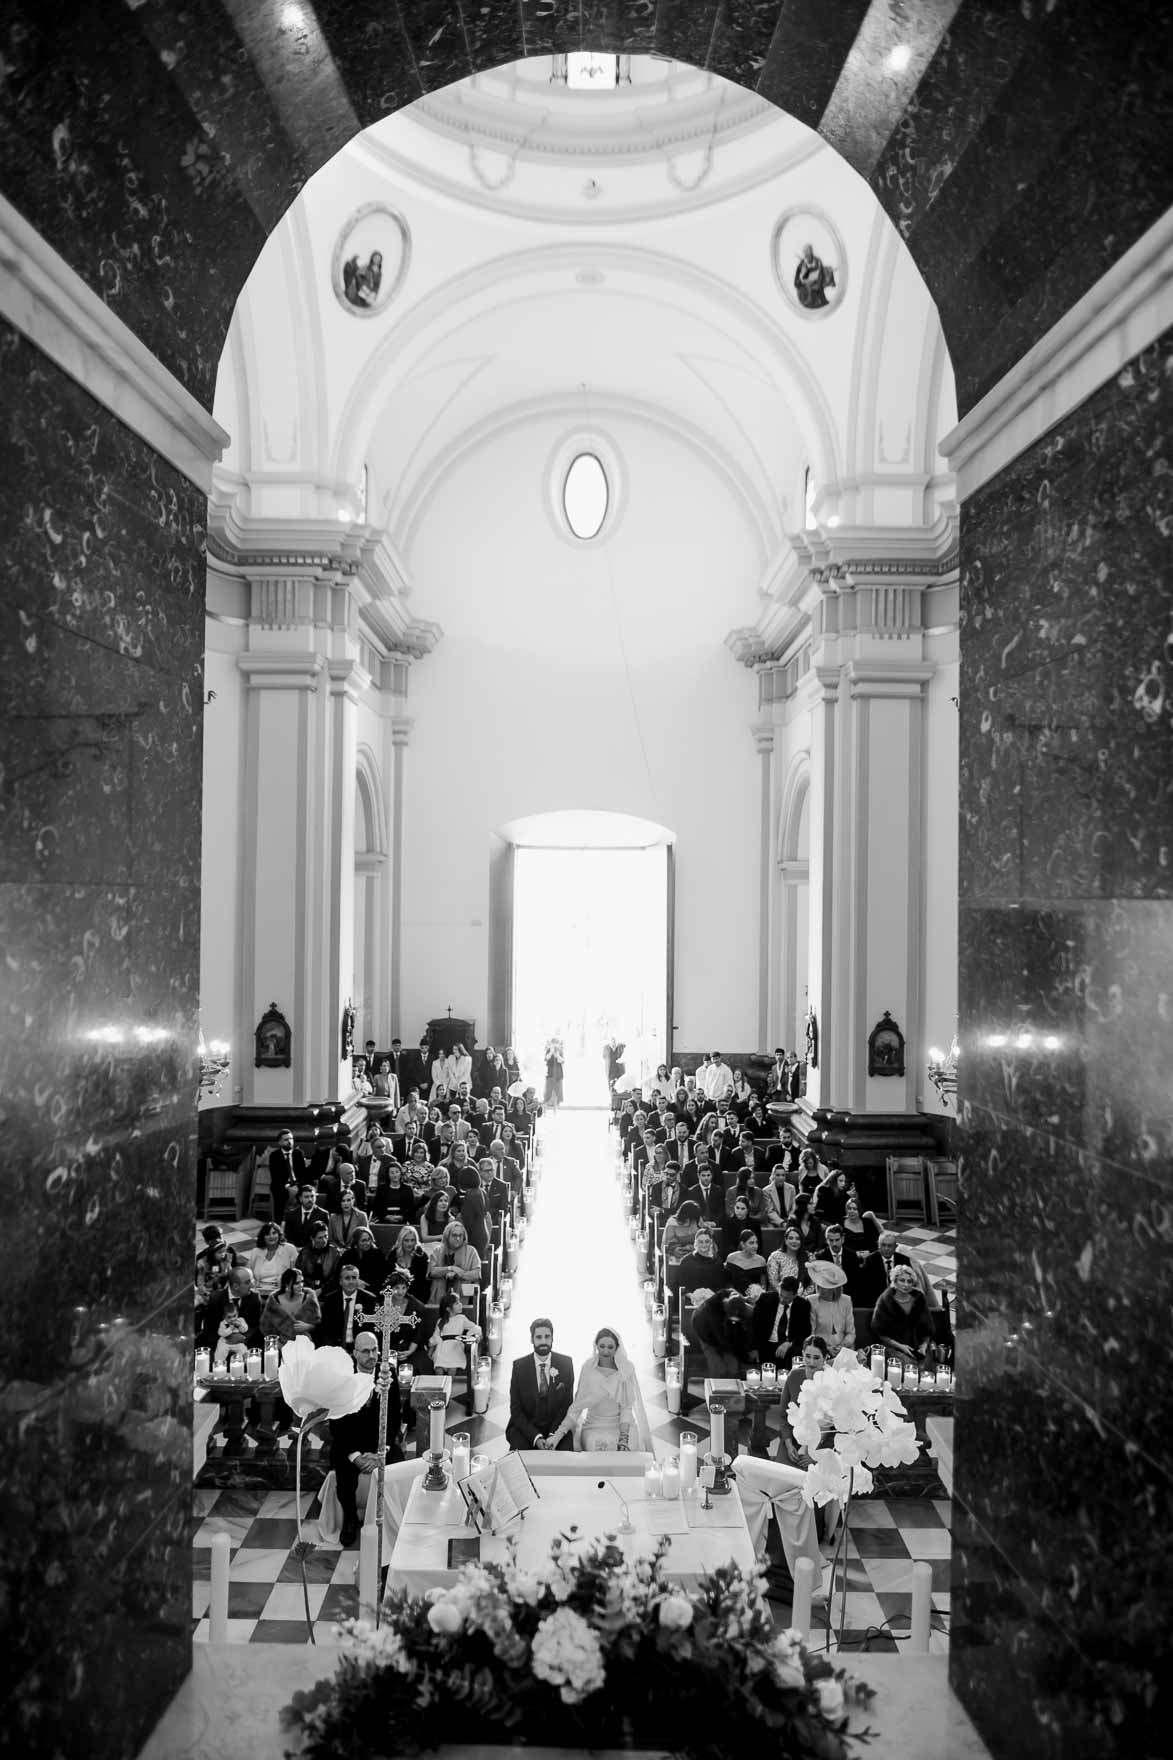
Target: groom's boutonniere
551,1374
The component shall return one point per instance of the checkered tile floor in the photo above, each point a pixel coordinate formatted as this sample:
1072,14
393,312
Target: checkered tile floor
577,1267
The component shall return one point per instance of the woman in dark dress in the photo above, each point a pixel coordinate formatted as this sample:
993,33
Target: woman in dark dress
372,1266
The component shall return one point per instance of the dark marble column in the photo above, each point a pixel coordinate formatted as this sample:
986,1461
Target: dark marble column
1062,1593
101,632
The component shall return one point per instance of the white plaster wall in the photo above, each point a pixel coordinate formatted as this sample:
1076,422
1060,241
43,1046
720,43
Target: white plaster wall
941,815
220,890
584,677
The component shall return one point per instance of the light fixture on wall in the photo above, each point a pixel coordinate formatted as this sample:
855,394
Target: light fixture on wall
215,1056
943,1071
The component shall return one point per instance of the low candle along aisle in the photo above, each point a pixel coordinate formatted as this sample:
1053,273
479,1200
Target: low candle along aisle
673,1386
481,1385
461,1454
496,1323
659,1331
688,1442
272,1360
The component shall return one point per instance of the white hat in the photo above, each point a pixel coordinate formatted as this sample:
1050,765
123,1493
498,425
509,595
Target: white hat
825,1274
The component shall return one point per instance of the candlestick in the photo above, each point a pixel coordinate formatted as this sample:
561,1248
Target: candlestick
688,1441
717,1429
436,1410
670,1477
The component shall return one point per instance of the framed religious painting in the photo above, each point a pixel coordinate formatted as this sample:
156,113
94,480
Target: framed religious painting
371,259
809,261
274,1040
886,1048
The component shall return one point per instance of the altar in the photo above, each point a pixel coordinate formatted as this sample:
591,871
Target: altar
579,1499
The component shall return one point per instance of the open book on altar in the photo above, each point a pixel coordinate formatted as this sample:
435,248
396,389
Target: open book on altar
498,1493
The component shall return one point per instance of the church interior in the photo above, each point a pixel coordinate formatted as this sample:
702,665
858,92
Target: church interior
637,528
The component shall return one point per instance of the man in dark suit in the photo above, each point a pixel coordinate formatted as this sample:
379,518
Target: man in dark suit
785,1152
781,1324
354,1440
541,1389
301,1221
330,1188
875,1269
398,1063
836,1249
346,1310
287,1170
709,1193
240,1306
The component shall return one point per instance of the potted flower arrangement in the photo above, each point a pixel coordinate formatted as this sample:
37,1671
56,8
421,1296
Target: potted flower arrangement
593,1649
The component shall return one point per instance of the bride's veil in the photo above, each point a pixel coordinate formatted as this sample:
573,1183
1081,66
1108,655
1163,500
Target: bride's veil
643,1437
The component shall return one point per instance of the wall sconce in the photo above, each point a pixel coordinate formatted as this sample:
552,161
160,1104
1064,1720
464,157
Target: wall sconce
214,1060
943,1071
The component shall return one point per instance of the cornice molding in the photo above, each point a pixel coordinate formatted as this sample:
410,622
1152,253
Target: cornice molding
50,304
1126,311
281,672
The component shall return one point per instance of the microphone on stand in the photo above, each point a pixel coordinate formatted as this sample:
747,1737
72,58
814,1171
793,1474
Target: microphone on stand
625,1527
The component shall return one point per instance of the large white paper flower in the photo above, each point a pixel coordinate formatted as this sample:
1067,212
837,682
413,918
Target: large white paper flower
321,1380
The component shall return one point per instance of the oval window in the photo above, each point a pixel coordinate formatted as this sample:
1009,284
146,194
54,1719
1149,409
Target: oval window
585,495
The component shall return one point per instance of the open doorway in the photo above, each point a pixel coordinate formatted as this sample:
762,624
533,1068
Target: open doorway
591,940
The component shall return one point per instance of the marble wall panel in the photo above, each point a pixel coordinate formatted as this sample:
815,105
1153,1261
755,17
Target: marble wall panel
1067,710
101,616
806,55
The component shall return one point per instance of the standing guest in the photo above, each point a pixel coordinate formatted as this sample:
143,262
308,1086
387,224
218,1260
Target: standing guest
355,1444
397,1064
347,1221
720,1326
742,1095
384,1087
541,1387
345,1310
462,1068
456,1266
272,1255
719,1082
293,1312
552,1095
832,1316
372,1266
780,1323
307,1215
319,1262
860,1227
776,1080
408,1256
443,1075
453,1334
287,1171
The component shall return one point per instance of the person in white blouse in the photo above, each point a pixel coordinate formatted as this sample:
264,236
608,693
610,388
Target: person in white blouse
718,1078
443,1076
461,1067
272,1255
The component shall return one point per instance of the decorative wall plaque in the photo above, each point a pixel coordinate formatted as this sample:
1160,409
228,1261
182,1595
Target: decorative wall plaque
809,261
371,259
886,1048
274,1040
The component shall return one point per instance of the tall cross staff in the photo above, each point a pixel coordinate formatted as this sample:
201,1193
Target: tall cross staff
383,1327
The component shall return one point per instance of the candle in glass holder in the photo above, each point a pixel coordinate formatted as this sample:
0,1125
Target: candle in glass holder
753,1378
894,1373
220,1369
481,1383
506,1293
272,1360
877,1363
461,1454
769,1374
512,1252
253,1365
659,1330
670,1478
649,1296
436,1410
406,1375
672,1386
652,1481
236,1367
496,1322
688,1441
203,1362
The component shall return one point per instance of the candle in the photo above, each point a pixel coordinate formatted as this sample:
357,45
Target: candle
203,1362
479,1463
670,1478
672,1386
496,1318
512,1252
652,1481
436,1410
894,1373
753,1378
688,1442
877,1364
922,1591
236,1367
506,1293
253,1365
405,1377
659,1331
219,1370
649,1295
769,1374
804,1582
717,1429
272,1359
461,1454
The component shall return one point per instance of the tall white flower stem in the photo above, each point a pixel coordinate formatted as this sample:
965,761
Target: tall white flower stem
309,1424
840,1552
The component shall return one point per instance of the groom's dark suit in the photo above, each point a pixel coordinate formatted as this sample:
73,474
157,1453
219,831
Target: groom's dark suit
529,1414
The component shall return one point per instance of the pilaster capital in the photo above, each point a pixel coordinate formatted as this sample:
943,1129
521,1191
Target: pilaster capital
281,672
348,679
829,678
763,737
890,678
401,726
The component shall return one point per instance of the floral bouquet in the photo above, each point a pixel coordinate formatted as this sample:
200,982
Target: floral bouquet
590,1650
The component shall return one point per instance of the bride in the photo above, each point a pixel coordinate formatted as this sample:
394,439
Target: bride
607,1401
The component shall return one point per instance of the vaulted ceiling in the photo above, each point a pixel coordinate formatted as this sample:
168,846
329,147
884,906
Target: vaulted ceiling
1018,148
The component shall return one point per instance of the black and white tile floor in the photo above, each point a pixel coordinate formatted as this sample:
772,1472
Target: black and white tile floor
577,1267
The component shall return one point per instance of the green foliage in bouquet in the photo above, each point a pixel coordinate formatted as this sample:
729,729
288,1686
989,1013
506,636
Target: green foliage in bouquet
590,1650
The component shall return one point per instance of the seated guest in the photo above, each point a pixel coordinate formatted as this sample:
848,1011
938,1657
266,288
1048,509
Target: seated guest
442,1143
393,1200
789,1260
433,1125
758,1120
505,1168
900,1318
816,1354
417,1173
779,1196
408,1321
345,1310
836,1252
541,1387
720,1327
408,1256
860,1227
412,1112
701,1268
679,1144
877,1267
747,1159
665,1189
347,1219
708,1195
272,1255
738,1217
344,1179
287,1171
832,1316
355,1444
306,1215
745,1189
293,1312
231,1320
830,1199
516,1148
805,1223
372,1266
643,1153
785,1152
319,1261
456,1266
680,1232
370,1157
437,1213
213,1263
742,1096
746,1264
781,1322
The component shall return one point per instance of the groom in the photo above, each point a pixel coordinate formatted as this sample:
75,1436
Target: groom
540,1391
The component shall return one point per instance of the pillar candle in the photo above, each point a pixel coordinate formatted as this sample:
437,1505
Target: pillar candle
753,1378
253,1365
649,1295
687,1460
672,1387
406,1377
769,1374
877,1364
716,1429
272,1359
220,1370
236,1366
922,1591
436,1410
652,1481
670,1478
203,1362
804,1583
461,1455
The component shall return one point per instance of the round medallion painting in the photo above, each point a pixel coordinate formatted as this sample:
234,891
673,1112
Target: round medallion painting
809,261
370,260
